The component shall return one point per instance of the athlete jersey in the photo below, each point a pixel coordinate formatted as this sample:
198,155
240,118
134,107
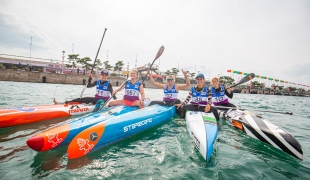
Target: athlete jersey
170,95
199,98
132,91
102,91
219,98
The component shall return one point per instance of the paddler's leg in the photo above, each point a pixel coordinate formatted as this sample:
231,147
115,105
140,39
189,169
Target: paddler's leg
139,103
117,102
55,102
187,107
162,103
212,109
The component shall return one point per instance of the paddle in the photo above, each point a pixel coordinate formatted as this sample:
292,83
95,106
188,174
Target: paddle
243,80
94,63
159,53
106,102
224,107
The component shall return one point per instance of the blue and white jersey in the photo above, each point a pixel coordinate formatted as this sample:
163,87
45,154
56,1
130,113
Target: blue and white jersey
200,98
170,95
102,91
219,98
132,91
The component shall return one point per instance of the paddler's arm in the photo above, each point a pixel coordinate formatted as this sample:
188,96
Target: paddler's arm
89,84
162,86
229,92
208,106
188,83
185,101
111,90
142,92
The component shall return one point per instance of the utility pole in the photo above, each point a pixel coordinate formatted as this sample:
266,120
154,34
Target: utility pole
107,55
136,62
30,47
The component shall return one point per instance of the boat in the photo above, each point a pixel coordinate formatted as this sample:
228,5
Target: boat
118,128
31,114
62,134
261,129
202,128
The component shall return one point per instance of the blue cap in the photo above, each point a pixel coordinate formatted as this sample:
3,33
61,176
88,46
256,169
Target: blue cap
105,72
199,75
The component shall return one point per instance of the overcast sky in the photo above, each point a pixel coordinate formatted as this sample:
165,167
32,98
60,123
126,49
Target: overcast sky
268,38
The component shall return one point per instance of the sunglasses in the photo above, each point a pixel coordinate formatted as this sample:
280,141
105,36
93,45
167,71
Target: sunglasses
169,79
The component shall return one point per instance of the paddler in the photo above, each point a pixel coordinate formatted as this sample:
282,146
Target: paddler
133,90
200,99
171,90
220,95
103,90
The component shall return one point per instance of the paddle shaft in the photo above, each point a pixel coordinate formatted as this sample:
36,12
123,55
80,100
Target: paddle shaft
159,53
243,80
106,102
280,112
94,63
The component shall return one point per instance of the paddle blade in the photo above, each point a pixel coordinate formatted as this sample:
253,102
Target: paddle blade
245,79
160,51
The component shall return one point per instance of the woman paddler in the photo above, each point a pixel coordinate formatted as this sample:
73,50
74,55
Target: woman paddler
171,90
133,90
220,95
200,99
103,90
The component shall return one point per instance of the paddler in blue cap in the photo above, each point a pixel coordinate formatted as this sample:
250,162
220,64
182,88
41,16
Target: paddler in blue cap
199,97
103,90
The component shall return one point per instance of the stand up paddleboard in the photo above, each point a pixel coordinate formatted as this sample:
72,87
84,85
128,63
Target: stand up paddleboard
263,130
25,115
202,127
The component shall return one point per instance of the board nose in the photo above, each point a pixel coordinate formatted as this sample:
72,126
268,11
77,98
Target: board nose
36,143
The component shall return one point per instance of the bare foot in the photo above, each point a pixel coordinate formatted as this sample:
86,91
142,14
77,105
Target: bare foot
54,100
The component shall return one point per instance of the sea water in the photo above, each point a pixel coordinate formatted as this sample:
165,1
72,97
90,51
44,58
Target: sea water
163,152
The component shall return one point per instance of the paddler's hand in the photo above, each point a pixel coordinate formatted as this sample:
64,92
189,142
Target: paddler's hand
184,72
207,108
113,93
141,103
90,75
178,105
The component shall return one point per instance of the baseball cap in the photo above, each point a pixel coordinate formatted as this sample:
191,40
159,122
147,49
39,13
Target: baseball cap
105,72
199,75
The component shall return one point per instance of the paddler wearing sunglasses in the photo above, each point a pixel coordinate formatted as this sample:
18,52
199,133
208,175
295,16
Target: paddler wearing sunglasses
200,99
171,89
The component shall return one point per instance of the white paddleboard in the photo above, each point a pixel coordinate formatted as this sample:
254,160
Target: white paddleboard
202,127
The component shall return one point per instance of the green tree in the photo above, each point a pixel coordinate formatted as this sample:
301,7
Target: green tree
118,67
73,58
107,66
85,62
192,75
227,80
292,89
175,71
168,72
98,64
